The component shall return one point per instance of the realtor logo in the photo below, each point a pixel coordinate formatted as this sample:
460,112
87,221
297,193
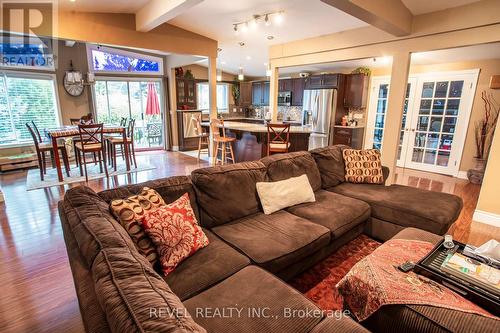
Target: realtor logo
28,29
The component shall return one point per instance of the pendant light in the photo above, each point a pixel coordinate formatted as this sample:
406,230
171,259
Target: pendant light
241,76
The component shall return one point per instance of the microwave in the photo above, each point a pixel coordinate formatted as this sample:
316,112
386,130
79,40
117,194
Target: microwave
285,98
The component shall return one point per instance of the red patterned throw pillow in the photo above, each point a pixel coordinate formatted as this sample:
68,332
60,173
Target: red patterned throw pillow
175,232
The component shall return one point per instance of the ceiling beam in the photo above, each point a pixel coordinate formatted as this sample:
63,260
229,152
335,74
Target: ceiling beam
157,12
391,16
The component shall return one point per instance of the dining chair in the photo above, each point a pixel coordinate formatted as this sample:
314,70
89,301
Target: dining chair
42,147
222,143
153,133
91,141
203,137
123,123
278,138
114,142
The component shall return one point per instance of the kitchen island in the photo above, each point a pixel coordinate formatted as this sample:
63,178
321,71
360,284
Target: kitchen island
251,138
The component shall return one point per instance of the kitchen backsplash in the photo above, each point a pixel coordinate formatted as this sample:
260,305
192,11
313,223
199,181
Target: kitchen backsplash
293,113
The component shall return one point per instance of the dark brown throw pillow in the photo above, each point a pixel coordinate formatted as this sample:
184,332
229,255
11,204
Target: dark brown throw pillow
363,166
130,211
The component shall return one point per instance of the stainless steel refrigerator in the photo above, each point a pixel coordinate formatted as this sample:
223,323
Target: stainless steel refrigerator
318,108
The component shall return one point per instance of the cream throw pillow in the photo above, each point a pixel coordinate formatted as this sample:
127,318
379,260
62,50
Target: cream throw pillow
284,193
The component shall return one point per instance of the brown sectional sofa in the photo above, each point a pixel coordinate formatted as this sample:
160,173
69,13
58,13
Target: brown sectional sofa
119,291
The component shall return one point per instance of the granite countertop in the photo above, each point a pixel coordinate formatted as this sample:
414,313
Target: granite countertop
258,128
357,126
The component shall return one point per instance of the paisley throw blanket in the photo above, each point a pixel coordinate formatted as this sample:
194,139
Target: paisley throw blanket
376,281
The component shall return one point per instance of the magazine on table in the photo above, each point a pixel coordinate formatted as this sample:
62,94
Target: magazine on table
473,271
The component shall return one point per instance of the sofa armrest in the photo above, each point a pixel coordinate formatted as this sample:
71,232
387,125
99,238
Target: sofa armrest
385,173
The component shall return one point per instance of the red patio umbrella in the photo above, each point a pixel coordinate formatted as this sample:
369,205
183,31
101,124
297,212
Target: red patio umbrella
152,103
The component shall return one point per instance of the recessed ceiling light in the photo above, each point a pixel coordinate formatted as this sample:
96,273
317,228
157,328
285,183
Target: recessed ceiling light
249,57
270,37
72,0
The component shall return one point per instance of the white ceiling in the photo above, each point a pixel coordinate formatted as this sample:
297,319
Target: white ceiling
418,7
469,53
302,19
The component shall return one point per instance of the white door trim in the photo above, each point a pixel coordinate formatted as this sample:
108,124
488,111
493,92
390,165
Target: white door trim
463,121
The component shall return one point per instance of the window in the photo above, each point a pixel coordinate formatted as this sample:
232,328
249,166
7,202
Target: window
25,98
120,98
222,97
108,60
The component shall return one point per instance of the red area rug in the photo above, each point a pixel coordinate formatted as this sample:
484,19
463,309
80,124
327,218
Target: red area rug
318,283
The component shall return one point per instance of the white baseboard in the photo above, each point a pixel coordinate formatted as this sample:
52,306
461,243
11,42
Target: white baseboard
175,148
462,175
486,218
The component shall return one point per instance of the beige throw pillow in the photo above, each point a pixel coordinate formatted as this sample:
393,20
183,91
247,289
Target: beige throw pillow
284,193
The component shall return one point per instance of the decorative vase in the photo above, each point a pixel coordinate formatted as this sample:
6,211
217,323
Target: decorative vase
476,174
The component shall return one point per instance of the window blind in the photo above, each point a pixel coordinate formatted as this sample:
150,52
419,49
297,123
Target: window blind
25,98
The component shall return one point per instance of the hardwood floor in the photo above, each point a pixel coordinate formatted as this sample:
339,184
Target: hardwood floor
37,293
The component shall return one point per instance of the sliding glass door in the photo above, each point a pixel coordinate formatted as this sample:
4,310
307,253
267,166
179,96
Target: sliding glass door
141,100
435,117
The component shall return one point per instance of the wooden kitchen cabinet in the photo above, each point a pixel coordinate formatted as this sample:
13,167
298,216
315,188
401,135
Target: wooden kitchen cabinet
245,94
285,85
257,93
356,91
260,92
266,93
297,91
324,81
350,136
185,93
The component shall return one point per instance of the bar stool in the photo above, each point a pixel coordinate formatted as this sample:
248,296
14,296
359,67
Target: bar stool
222,143
278,138
203,137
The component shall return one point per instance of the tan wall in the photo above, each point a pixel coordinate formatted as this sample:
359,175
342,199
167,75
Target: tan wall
489,200
72,107
488,68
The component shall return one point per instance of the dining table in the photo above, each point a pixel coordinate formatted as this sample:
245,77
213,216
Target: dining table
54,134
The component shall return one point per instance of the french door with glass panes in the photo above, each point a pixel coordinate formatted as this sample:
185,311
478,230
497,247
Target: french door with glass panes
435,118
377,115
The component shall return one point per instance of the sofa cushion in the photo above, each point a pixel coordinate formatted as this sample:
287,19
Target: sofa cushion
284,166
284,193
274,241
205,268
336,212
125,284
226,193
247,292
175,232
130,212
363,166
339,325
407,206
330,163
170,189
